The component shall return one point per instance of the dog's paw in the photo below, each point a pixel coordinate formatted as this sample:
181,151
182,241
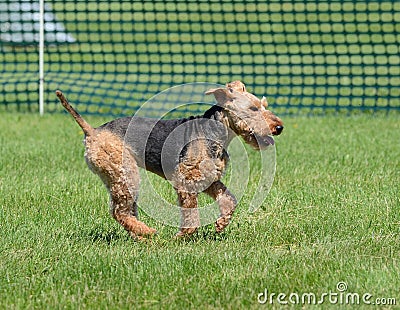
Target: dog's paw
186,232
221,223
143,236
143,231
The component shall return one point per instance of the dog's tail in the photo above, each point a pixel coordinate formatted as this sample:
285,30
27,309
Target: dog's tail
87,129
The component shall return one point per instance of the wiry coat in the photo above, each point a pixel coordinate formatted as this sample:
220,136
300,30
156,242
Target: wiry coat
189,152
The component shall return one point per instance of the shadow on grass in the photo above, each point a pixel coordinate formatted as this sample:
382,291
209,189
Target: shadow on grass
100,235
203,235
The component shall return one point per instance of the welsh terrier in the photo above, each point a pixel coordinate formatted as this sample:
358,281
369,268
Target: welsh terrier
189,152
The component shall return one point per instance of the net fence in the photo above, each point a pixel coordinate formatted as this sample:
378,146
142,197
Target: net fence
111,56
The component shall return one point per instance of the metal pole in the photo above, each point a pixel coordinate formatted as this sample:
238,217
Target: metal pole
41,57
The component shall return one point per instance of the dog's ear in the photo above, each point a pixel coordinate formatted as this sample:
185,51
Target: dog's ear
237,85
223,95
264,102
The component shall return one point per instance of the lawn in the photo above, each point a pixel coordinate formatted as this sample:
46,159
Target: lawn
332,216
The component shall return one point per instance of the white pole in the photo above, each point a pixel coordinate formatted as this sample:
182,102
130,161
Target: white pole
41,57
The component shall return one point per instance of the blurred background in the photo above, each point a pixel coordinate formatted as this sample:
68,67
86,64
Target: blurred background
109,57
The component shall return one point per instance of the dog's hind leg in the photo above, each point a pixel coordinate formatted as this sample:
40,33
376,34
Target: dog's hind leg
123,195
122,208
226,202
190,218
116,166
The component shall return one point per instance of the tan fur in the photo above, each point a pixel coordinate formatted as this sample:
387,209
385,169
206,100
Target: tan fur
114,163
87,129
226,201
197,170
241,88
190,220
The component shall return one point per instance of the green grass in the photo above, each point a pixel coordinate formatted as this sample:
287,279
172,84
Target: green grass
332,215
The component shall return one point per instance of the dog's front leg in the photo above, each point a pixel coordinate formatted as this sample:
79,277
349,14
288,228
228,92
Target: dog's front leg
190,218
226,202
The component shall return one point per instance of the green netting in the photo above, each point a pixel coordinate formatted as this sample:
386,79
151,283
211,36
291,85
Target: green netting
110,56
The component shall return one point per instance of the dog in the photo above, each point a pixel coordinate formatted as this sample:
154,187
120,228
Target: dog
189,152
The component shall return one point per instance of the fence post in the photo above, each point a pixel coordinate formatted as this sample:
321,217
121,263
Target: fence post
41,57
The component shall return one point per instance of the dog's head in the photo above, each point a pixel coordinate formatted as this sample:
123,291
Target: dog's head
247,115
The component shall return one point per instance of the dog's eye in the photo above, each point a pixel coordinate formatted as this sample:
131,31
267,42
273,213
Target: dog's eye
253,108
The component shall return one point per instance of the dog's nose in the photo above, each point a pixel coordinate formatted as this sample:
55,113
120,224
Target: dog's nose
278,129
